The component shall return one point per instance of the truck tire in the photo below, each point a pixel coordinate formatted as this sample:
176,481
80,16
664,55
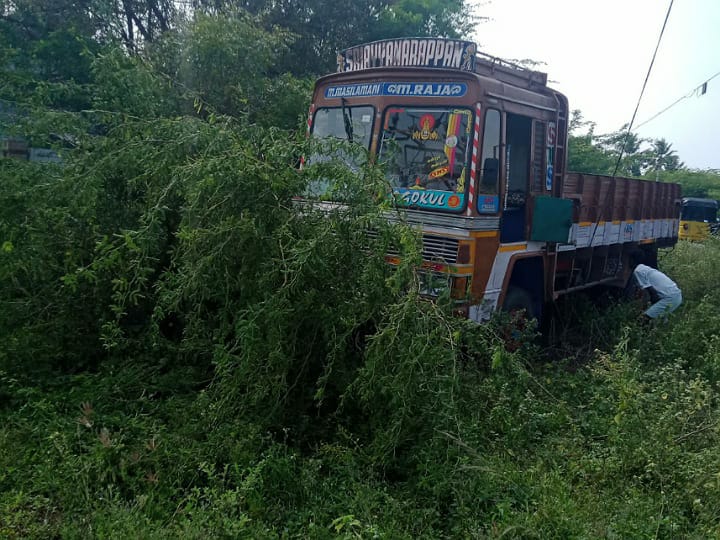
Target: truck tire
519,305
518,299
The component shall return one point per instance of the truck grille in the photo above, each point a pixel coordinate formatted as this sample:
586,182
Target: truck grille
439,248
434,248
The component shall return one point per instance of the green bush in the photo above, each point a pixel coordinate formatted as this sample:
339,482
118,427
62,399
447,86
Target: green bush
188,350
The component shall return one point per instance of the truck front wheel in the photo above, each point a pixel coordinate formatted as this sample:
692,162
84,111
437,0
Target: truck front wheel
517,300
519,306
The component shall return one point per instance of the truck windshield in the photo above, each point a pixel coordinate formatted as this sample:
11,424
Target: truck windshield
706,212
426,152
349,123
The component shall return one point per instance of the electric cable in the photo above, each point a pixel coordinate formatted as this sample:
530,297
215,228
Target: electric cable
604,205
688,95
657,46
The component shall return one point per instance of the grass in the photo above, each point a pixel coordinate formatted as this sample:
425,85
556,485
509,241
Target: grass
618,442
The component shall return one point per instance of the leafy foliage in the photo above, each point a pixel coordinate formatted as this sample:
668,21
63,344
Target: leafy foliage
133,21
703,184
189,351
620,153
46,232
320,26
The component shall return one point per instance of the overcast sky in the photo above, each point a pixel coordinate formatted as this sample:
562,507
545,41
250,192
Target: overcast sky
598,52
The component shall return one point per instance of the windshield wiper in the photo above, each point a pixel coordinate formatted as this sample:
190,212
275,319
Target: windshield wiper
347,119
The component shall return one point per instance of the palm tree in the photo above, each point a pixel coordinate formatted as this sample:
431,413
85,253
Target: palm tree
665,158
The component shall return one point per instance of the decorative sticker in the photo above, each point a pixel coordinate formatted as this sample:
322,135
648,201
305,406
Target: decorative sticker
453,130
488,204
551,136
612,232
399,89
416,52
549,172
427,123
582,235
628,232
437,173
461,182
430,198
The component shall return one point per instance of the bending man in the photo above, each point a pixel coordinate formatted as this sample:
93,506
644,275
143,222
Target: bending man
663,290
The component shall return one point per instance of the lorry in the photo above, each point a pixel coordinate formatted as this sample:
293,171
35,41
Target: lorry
698,218
475,150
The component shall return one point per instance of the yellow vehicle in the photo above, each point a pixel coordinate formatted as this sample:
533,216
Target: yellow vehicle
698,218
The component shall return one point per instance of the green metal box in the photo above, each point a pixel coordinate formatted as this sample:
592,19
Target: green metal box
552,219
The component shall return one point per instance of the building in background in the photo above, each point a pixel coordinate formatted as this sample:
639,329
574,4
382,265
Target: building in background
19,147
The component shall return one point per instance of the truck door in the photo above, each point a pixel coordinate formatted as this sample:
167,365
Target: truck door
518,134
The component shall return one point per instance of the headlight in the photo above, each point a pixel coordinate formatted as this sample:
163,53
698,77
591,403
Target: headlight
433,284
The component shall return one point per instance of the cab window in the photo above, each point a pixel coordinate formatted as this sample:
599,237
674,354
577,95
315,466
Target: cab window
490,160
352,124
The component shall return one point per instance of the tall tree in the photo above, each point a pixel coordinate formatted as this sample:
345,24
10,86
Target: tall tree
47,37
585,154
142,21
602,154
44,48
322,27
665,158
625,148
133,21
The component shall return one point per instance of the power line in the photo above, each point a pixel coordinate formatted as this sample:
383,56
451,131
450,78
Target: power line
657,46
605,205
701,87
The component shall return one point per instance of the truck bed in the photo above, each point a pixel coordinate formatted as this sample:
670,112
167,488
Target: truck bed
607,198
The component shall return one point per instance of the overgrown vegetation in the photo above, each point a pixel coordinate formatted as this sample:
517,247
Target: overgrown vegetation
188,352
326,404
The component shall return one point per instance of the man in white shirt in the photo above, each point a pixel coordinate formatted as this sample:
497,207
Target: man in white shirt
666,291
